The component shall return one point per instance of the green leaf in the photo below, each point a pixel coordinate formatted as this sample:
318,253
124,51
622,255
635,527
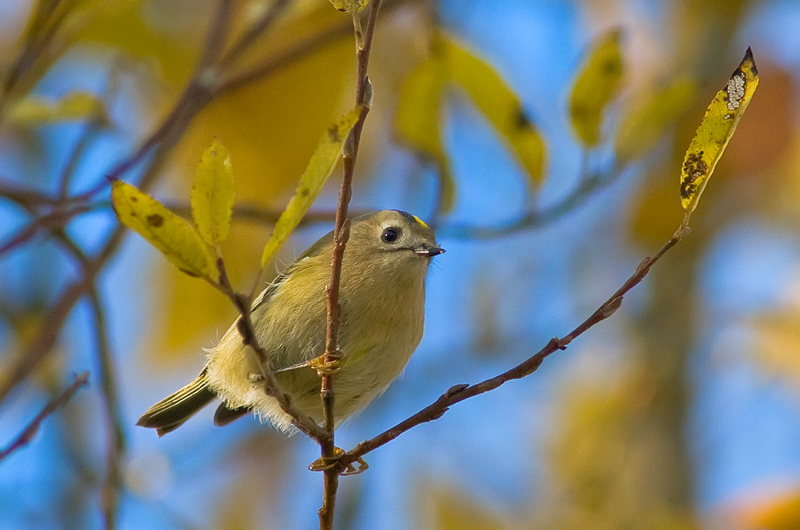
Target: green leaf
77,105
213,195
498,102
716,130
175,237
311,182
597,84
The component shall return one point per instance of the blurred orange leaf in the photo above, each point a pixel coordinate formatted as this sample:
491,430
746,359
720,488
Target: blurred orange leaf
779,513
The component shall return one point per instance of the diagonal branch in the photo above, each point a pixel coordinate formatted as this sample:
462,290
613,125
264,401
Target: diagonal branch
249,338
25,437
459,393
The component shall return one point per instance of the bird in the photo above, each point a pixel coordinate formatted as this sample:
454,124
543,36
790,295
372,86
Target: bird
382,308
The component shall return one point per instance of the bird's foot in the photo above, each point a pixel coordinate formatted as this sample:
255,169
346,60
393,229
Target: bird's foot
325,463
330,366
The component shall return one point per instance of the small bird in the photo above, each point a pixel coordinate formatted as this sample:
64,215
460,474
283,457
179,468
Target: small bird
382,310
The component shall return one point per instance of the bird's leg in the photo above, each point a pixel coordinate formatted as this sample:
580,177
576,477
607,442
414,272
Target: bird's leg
333,367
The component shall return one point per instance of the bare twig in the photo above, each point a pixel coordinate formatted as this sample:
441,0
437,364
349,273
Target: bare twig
341,233
47,19
271,387
115,450
536,217
54,220
198,93
46,337
459,393
30,431
115,435
296,52
253,33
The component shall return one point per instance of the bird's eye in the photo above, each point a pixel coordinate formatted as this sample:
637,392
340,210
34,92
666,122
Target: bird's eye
390,235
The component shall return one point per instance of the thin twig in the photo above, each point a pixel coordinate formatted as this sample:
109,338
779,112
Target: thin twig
459,393
46,337
534,218
41,32
25,437
296,52
197,94
249,338
340,235
253,33
115,449
54,220
156,146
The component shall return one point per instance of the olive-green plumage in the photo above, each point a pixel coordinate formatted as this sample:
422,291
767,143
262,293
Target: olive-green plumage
382,301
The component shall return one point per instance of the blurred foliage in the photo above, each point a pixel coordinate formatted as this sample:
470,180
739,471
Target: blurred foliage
616,454
419,115
597,83
451,509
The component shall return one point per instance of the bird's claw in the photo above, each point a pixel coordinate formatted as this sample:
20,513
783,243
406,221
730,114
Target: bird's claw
324,463
326,367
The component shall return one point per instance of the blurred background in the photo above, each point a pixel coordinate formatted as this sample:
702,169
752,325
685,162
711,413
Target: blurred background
681,411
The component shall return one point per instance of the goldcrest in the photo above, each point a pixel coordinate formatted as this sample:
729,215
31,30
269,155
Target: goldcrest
382,301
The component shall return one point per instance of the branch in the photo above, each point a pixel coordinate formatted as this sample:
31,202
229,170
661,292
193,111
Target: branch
108,387
341,233
30,431
115,434
587,185
254,32
249,338
459,393
296,52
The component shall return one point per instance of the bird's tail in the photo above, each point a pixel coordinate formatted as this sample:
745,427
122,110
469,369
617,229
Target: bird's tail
170,413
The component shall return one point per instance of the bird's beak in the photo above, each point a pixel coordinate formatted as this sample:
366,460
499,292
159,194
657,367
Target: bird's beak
428,252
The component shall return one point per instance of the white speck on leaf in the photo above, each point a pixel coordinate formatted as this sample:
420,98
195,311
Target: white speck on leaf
735,90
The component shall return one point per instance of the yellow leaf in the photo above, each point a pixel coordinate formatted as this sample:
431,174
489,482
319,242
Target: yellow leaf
271,126
716,130
212,194
417,123
350,5
76,105
643,126
596,85
311,182
498,102
172,235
